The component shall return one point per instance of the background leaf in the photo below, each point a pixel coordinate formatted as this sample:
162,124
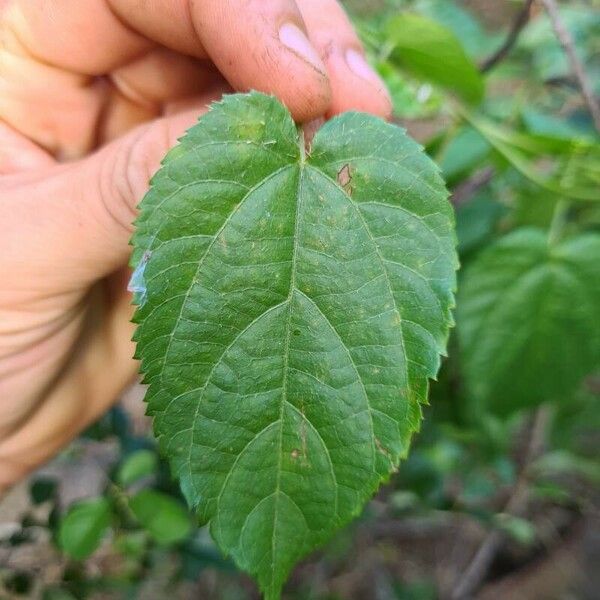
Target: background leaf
476,220
573,178
529,318
295,308
137,465
165,519
84,526
465,151
431,51
473,37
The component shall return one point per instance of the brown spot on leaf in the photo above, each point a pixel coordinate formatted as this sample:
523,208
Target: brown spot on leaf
344,178
386,453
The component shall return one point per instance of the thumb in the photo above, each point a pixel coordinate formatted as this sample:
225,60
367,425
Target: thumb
69,225
264,45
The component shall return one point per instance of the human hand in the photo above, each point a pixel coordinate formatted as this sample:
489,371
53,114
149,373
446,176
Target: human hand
92,94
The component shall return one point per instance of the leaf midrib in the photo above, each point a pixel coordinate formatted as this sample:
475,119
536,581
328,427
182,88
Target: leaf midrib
186,298
286,352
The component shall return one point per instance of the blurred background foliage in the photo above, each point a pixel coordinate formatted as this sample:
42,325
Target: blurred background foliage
499,495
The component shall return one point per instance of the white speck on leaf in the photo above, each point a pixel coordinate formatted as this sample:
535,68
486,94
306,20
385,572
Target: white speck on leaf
137,283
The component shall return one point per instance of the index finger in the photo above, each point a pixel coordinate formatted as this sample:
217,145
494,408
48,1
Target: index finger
260,44
256,44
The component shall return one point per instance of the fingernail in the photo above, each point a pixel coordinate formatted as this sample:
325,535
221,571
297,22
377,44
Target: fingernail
359,66
292,37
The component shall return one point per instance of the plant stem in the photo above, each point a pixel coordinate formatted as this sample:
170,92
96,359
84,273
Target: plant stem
306,133
482,559
519,23
466,189
566,41
559,220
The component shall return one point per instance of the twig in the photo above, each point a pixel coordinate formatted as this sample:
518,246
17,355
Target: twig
566,41
515,506
411,528
466,189
519,23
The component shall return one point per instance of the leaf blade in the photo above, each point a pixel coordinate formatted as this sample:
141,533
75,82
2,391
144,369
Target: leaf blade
522,337
163,517
270,332
430,50
84,526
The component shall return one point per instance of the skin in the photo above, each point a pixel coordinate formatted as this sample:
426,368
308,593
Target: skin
92,94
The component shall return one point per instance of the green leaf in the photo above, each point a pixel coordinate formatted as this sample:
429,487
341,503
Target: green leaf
83,527
529,318
295,307
551,126
576,178
476,40
131,544
464,152
431,51
165,519
476,221
521,530
137,465
408,99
